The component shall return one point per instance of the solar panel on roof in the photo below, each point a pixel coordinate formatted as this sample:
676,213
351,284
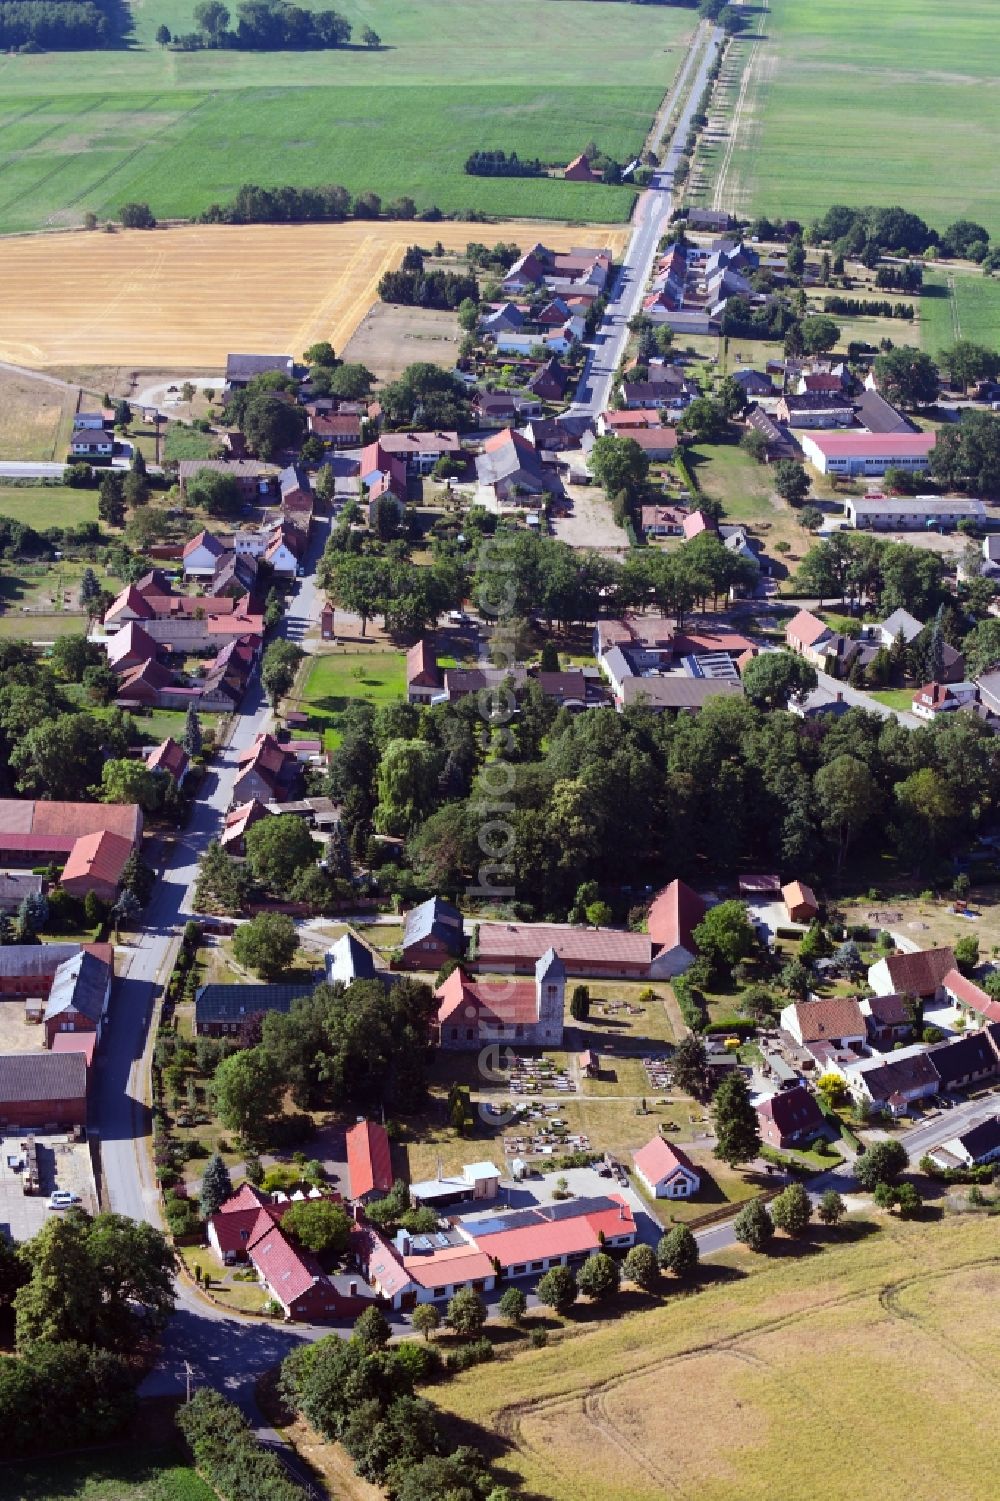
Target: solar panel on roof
501,1222
573,1208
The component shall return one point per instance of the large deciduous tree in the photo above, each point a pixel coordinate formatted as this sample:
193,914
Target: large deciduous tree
247,1089
266,944
278,848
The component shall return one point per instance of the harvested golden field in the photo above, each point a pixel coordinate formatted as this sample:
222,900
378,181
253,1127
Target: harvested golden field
862,1367
182,299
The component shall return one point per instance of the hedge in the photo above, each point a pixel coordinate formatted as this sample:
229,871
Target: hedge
229,1455
737,1024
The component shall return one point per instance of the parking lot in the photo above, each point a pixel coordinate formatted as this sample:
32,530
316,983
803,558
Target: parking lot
62,1163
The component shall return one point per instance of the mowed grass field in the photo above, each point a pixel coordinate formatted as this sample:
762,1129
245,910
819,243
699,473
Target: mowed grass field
333,679
41,506
957,305
90,131
854,103
862,1368
183,298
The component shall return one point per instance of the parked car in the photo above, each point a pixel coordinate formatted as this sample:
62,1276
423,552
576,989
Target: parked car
62,1199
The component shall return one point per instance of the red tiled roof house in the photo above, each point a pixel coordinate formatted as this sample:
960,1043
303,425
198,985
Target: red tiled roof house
666,1171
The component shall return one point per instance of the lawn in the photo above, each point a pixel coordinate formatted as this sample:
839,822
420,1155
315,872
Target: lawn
895,698
334,679
116,1475
159,723
728,474
910,1312
183,130
42,506
850,104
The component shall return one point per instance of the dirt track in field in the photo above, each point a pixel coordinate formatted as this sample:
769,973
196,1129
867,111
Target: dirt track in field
182,299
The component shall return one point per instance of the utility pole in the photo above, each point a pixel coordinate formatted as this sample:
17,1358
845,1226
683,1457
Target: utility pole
188,1378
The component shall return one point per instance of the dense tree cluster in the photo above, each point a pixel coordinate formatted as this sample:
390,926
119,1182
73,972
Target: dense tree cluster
228,1452
868,307
425,396
262,26
499,164
58,25
267,414
612,793
431,289
360,1393
83,1291
906,278
329,203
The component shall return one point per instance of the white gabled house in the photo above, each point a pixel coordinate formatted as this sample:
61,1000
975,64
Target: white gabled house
666,1171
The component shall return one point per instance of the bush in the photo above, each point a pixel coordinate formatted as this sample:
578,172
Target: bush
420,1361
476,1352
538,1339
753,1225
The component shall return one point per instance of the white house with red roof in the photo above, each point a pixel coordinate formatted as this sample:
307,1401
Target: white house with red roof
201,555
665,1171
969,998
473,1250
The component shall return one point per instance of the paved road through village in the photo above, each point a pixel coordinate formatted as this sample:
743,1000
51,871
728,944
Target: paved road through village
652,213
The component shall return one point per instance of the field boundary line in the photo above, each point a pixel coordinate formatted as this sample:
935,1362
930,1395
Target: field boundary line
737,120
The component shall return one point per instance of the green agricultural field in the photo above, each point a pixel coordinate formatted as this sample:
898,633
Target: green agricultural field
854,103
959,305
182,130
118,1475
42,506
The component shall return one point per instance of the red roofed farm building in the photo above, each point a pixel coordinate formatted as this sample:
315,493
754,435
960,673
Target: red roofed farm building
675,913
248,1228
523,1242
369,1161
106,833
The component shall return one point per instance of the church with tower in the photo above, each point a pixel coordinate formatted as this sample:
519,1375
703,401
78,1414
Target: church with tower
498,1008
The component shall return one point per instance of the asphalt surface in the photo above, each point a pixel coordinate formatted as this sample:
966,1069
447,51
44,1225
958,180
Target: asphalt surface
652,213
18,469
949,1123
201,1340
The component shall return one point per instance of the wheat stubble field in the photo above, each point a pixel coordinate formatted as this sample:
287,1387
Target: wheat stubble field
865,1368
182,299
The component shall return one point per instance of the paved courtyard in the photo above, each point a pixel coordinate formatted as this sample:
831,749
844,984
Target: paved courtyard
62,1163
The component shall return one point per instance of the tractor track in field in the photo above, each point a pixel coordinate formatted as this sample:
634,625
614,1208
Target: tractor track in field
593,1401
